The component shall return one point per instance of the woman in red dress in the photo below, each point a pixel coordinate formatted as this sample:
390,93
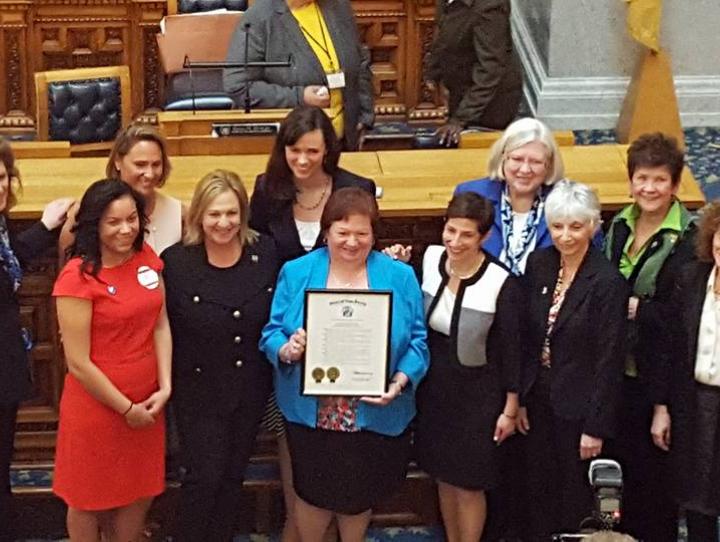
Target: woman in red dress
111,310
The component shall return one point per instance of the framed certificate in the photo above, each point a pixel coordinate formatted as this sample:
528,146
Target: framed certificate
348,342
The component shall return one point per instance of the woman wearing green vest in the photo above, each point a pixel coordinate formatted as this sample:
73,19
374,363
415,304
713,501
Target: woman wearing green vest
649,241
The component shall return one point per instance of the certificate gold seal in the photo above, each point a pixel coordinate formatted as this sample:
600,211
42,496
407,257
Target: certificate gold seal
318,374
333,373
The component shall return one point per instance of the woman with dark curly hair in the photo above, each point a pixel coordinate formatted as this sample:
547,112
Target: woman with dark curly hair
689,346
15,252
111,309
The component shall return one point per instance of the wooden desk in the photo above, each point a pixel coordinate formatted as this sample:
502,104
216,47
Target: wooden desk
485,140
415,183
41,149
189,133
422,182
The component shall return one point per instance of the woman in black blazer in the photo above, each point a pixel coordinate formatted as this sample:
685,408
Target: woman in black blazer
289,198
688,345
15,251
649,241
577,304
286,204
219,285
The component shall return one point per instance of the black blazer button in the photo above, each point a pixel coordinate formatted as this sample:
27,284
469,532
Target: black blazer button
238,363
237,314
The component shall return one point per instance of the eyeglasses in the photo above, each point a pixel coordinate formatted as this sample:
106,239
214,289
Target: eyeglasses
516,162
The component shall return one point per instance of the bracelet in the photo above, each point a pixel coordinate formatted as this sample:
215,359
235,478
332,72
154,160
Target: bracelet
128,409
508,416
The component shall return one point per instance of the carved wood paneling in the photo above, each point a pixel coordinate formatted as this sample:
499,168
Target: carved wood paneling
13,68
38,35
37,419
72,46
152,76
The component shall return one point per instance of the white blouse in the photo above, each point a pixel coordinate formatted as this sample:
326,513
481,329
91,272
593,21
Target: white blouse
707,359
441,317
308,232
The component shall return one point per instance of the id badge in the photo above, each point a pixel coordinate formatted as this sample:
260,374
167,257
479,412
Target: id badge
336,80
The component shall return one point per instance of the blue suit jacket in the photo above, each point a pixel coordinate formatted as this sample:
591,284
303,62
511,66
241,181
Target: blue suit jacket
408,348
492,189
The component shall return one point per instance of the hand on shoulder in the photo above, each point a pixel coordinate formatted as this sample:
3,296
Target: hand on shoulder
56,212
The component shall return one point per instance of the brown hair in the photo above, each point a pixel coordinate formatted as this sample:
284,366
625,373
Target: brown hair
349,201
8,159
127,139
656,150
207,189
473,207
708,225
300,121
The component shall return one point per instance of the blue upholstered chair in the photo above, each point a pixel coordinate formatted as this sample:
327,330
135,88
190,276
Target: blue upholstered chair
85,106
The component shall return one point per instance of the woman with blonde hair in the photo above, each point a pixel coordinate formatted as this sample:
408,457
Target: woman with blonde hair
220,282
139,157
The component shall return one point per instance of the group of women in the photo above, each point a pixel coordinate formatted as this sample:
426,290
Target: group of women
523,321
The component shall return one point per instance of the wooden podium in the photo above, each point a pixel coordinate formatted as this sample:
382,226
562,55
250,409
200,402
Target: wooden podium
192,133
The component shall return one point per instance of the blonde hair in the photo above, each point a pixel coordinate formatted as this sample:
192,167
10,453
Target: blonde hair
207,189
519,133
127,139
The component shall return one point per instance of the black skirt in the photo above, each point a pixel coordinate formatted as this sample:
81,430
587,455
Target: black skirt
347,473
704,460
458,408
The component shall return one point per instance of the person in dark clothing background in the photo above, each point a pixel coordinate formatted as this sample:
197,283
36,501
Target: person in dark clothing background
473,56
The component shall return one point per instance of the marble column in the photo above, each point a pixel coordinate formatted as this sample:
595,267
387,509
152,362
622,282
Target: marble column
578,59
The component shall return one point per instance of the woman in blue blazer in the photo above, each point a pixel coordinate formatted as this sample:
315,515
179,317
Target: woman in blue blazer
347,452
524,163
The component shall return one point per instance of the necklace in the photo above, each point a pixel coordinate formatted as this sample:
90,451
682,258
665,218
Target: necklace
319,201
454,273
346,284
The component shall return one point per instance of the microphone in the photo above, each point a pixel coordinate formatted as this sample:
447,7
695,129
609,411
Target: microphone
246,26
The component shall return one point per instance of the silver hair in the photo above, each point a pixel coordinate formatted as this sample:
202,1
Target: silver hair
572,200
519,133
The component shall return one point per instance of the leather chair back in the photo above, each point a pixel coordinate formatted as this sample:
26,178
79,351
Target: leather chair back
86,111
85,106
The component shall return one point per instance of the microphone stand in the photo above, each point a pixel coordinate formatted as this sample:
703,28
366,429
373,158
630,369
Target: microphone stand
188,64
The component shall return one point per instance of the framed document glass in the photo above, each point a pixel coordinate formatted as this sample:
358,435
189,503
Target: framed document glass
348,342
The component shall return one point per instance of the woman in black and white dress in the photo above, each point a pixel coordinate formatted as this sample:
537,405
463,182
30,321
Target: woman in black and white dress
469,402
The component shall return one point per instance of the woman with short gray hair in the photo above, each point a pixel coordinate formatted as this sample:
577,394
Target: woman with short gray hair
576,316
